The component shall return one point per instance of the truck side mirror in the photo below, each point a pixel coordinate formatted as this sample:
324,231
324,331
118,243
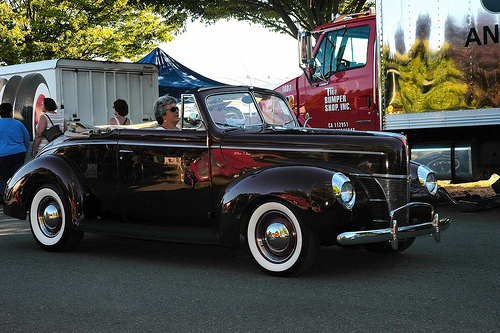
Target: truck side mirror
305,47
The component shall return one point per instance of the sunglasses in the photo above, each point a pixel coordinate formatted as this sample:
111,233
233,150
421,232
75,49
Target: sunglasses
174,109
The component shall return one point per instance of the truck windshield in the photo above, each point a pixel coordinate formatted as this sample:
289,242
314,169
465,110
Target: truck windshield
341,50
275,110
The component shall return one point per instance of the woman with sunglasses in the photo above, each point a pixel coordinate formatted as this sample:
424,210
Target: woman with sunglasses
166,112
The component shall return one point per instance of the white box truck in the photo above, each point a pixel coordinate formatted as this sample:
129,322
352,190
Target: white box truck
84,90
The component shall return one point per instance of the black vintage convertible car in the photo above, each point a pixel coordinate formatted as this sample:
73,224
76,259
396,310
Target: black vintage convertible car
238,165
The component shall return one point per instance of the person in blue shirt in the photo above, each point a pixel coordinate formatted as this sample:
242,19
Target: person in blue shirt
14,142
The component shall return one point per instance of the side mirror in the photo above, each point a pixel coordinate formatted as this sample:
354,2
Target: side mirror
193,119
305,47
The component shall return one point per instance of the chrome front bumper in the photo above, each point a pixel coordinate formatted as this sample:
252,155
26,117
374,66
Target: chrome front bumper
395,233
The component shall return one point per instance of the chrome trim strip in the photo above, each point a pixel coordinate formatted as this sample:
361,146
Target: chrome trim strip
379,65
174,142
142,143
302,149
156,144
87,143
380,175
459,118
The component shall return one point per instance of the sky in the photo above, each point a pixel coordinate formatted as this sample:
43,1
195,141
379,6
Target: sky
236,53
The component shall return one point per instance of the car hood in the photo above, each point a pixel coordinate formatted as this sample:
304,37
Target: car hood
365,152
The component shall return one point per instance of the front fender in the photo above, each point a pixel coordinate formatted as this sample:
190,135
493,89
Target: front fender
306,188
51,169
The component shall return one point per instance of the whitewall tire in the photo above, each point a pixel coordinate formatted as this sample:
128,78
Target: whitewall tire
279,243
50,220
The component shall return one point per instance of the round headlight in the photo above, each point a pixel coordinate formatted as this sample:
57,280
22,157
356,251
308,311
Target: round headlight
427,179
344,190
347,192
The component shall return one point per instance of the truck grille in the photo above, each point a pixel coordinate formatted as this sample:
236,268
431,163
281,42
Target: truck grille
385,194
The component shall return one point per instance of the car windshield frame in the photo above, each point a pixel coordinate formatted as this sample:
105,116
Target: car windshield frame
248,108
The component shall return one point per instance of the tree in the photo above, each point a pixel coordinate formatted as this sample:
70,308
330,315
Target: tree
11,34
282,16
32,30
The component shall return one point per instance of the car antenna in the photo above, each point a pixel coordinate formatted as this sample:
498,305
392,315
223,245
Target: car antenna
248,75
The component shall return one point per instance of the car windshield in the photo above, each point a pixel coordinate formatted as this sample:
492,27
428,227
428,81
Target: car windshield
239,109
233,109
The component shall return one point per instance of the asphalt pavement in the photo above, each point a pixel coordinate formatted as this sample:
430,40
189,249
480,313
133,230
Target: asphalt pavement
113,284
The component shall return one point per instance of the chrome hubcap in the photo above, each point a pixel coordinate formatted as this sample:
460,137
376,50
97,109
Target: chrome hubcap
49,217
276,237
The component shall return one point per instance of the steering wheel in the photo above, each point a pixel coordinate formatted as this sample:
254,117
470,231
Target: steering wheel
343,62
233,113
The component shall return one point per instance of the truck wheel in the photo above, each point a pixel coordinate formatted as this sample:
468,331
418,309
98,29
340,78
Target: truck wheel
387,248
279,243
32,90
50,220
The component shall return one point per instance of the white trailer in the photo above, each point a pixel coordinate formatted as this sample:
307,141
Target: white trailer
84,90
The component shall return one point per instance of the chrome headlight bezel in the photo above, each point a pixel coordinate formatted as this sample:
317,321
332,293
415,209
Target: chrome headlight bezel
427,179
344,190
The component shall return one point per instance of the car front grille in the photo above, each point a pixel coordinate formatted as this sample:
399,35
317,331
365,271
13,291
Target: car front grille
385,194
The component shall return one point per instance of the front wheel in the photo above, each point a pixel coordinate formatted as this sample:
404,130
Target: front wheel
50,220
279,243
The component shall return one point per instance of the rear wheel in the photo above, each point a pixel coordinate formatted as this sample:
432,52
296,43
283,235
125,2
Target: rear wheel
279,243
50,220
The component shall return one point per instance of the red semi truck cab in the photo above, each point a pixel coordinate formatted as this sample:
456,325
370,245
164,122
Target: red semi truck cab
338,83
425,69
